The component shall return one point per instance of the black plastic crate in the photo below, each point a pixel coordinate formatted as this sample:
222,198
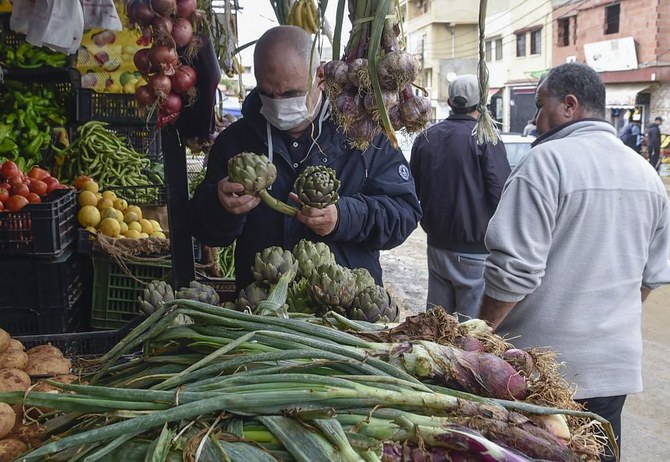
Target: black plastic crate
44,229
224,287
28,321
77,344
42,284
149,195
120,109
145,139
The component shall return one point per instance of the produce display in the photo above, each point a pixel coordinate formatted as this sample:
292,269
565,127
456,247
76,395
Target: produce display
110,215
102,154
172,29
27,56
216,384
305,14
28,115
371,89
18,189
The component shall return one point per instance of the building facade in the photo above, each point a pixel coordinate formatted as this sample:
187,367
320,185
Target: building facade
626,41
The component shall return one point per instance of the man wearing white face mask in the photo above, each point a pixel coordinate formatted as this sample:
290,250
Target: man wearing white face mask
287,118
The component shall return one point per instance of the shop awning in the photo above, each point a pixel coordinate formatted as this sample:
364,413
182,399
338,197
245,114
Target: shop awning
494,91
622,95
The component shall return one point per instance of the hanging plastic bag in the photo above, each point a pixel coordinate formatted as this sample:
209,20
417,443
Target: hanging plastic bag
101,14
22,15
65,27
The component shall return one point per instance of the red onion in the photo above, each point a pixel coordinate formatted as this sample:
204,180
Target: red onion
146,38
140,13
171,105
183,80
163,58
185,8
162,25
144,95
164,7
182,32
141,60
161,85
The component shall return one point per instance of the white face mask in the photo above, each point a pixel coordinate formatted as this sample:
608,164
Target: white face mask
287,113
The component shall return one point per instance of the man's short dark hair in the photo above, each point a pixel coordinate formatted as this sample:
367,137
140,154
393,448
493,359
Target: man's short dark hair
463,110
581,81
659,118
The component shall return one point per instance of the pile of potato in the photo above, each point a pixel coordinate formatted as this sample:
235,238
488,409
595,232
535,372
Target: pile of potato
18,369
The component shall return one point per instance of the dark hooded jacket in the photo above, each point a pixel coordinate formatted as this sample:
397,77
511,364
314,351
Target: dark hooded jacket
378,208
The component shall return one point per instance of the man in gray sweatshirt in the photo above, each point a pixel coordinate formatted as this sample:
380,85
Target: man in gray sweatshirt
580,236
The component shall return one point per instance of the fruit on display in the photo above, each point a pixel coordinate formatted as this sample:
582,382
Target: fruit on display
374,304
199,292
18,189
110,215
332,287
310,255
271,263
305,14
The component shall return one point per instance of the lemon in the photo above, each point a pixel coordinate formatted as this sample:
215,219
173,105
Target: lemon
105,203
131,217
132,234
111,195
136,209
158,234
110,227
155,225
118,214
143,235
108,212
120,204
124,227
146,225
88,216
90,185
87,198
91,230
135,226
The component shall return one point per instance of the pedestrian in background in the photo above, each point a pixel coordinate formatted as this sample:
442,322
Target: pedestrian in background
530,129
580,237
458,183
654,142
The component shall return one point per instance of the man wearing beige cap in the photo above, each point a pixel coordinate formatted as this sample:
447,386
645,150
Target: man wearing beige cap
459,183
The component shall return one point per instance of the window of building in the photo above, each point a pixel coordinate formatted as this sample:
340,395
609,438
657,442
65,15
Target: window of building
499,51
612,15
536,42
563,27
488,49
521,44
429,79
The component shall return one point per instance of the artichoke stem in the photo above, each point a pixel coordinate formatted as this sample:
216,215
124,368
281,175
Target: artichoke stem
276,204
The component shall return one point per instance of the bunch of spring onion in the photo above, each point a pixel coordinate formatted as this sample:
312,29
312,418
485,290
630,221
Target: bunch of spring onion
370,88
240,387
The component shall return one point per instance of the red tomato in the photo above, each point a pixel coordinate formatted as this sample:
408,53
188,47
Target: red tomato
52,183
16,203
2,206
6,185
14,180
21,190
37,173
38,187
80,180
4,195
9,169
33,198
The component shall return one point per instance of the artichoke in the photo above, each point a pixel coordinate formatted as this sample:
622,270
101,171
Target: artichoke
374,304
317,187
256,173
154,295
199,292
297,299
271,263
251,296
332,287
363,279
310,255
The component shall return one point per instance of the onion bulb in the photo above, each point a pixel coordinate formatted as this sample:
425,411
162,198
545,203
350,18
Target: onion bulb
164,7
397,69
359,75
161,85
183,79
162,26
145,96
141,60
185,8
336,74
182,32
171,105
139,12
163,58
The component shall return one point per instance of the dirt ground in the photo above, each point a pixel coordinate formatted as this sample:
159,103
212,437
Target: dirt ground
646,416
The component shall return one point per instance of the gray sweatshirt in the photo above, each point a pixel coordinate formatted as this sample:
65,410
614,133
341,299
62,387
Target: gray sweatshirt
582,225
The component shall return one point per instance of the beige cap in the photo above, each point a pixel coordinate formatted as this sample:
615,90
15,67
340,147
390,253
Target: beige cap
464,91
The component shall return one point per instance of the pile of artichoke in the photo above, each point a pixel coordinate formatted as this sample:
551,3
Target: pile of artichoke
318,284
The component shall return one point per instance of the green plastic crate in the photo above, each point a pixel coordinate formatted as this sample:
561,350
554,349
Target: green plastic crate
116,289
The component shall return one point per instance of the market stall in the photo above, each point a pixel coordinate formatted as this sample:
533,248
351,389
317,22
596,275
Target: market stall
114,346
